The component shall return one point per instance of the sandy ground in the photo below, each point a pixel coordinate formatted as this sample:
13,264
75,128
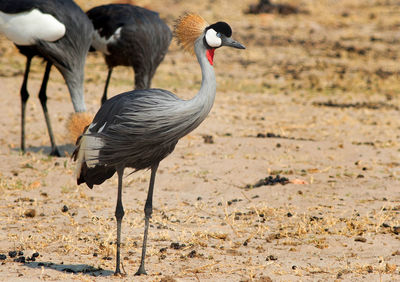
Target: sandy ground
325,83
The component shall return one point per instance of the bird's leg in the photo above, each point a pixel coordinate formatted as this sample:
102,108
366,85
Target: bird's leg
141,78
148,82
150,77
24,99
104,98
119,214
43,102
148,210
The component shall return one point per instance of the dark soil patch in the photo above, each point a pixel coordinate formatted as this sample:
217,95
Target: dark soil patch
265,6
357,105
177,246
273,135
269,181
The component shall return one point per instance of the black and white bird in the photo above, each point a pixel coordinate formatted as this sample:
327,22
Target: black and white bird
57,31
129,35
138,129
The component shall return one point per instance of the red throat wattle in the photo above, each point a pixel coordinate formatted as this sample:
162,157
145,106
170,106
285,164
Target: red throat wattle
210,55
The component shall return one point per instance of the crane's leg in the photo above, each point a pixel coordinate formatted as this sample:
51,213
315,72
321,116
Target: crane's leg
24,99
43,102
148,210
119,214
104,98
151,74
141,78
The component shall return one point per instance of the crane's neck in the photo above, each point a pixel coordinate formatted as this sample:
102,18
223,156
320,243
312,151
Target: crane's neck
190,113
204,100
74,82
78,101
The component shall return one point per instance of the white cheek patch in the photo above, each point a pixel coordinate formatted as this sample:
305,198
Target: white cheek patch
100,43
212,39
27,27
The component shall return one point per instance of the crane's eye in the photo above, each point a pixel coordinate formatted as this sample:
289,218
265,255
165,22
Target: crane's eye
218,34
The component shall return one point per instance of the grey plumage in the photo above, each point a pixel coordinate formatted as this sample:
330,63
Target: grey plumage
136,37
139,128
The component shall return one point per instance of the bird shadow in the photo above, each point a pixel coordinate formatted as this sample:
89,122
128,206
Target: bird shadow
65,150
71,268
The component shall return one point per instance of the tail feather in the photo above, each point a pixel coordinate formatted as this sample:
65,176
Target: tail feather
95,175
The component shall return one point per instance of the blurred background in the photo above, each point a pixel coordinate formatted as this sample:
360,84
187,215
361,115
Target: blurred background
326,47
339,51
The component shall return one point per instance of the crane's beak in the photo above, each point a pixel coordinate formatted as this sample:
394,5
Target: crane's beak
227,41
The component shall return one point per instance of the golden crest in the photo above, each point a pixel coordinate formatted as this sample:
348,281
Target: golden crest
187,29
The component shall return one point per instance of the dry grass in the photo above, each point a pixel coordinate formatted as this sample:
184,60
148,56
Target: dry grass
343,225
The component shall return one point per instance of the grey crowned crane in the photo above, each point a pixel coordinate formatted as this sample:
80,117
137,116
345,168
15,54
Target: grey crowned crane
139,128
57,31
129,35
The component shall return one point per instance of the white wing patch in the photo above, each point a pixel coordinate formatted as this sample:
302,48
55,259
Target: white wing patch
100,43
27,27
91,126
212,39
101,128
89,149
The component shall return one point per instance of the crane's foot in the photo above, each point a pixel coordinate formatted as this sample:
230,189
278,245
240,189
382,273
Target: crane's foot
118,273
22,149
141,271
55,153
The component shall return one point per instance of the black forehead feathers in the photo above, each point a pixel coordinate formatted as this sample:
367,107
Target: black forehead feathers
221,27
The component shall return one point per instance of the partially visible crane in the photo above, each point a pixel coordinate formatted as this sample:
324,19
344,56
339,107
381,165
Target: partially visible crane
138,129
59,32
129,35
